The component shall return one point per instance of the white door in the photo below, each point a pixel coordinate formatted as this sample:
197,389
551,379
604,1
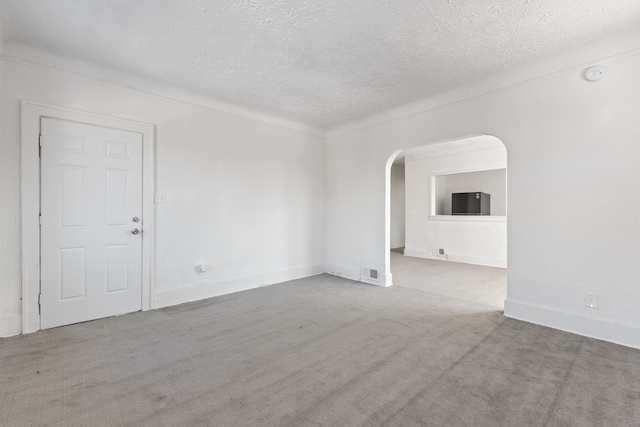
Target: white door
91,232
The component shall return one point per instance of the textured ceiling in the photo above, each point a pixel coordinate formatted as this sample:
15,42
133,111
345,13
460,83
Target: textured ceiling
319,62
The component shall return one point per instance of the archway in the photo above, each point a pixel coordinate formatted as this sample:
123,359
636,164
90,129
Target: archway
471,164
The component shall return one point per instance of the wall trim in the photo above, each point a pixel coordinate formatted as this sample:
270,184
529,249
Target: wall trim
487,262
575,323
32,112
346,271
174,296
355,274
469,218
178,95
10,325
498,83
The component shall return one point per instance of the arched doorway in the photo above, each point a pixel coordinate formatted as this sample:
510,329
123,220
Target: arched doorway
433,174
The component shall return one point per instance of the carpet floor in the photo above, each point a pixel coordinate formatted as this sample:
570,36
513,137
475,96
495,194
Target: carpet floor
322,351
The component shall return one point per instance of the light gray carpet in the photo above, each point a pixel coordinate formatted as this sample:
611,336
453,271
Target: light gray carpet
321,351
474,283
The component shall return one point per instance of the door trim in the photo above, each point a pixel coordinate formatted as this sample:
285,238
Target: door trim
32,112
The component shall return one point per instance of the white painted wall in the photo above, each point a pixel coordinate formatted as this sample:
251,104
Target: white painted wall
492,182
570,144
474,240
397,206
244,196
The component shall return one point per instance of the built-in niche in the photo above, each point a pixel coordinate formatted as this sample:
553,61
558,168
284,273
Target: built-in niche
492,182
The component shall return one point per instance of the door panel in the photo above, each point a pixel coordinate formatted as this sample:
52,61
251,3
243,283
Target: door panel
71,283
91,189
117,268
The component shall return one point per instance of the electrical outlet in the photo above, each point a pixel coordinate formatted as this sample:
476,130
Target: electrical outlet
440,251
590,300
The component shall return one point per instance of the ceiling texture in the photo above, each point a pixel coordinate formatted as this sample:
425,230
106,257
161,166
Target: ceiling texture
323,63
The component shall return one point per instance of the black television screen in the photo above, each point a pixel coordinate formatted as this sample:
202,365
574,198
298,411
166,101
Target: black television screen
474,203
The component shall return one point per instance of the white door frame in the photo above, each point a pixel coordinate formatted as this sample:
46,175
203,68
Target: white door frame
32,112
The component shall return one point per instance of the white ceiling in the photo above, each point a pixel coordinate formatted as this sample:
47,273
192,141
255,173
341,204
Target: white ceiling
319,62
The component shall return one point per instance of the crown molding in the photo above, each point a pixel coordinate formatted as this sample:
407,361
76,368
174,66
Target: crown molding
552,67
47,61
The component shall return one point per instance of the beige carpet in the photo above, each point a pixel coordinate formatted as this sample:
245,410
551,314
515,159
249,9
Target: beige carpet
321,351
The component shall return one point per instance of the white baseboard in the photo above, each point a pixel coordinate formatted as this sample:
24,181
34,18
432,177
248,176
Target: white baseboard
181,295
420,254
354,273
395,245
345,271
10,325
587,326
384,280
489,262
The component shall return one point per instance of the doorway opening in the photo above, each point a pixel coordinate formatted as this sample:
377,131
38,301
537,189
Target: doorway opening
430,233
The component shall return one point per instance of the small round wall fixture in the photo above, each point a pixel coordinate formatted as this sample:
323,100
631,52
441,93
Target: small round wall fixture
595,73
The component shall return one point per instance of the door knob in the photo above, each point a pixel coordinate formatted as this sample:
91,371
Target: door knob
136,219
135,231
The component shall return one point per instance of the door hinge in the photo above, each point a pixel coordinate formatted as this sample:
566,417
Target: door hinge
40,219
39,145
39,306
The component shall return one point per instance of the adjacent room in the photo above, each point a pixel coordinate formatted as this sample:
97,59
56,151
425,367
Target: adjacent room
310,213
448,213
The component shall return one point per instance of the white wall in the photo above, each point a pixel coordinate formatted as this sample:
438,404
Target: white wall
397,206
573,152
570,144
245,196
475,240
492,182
